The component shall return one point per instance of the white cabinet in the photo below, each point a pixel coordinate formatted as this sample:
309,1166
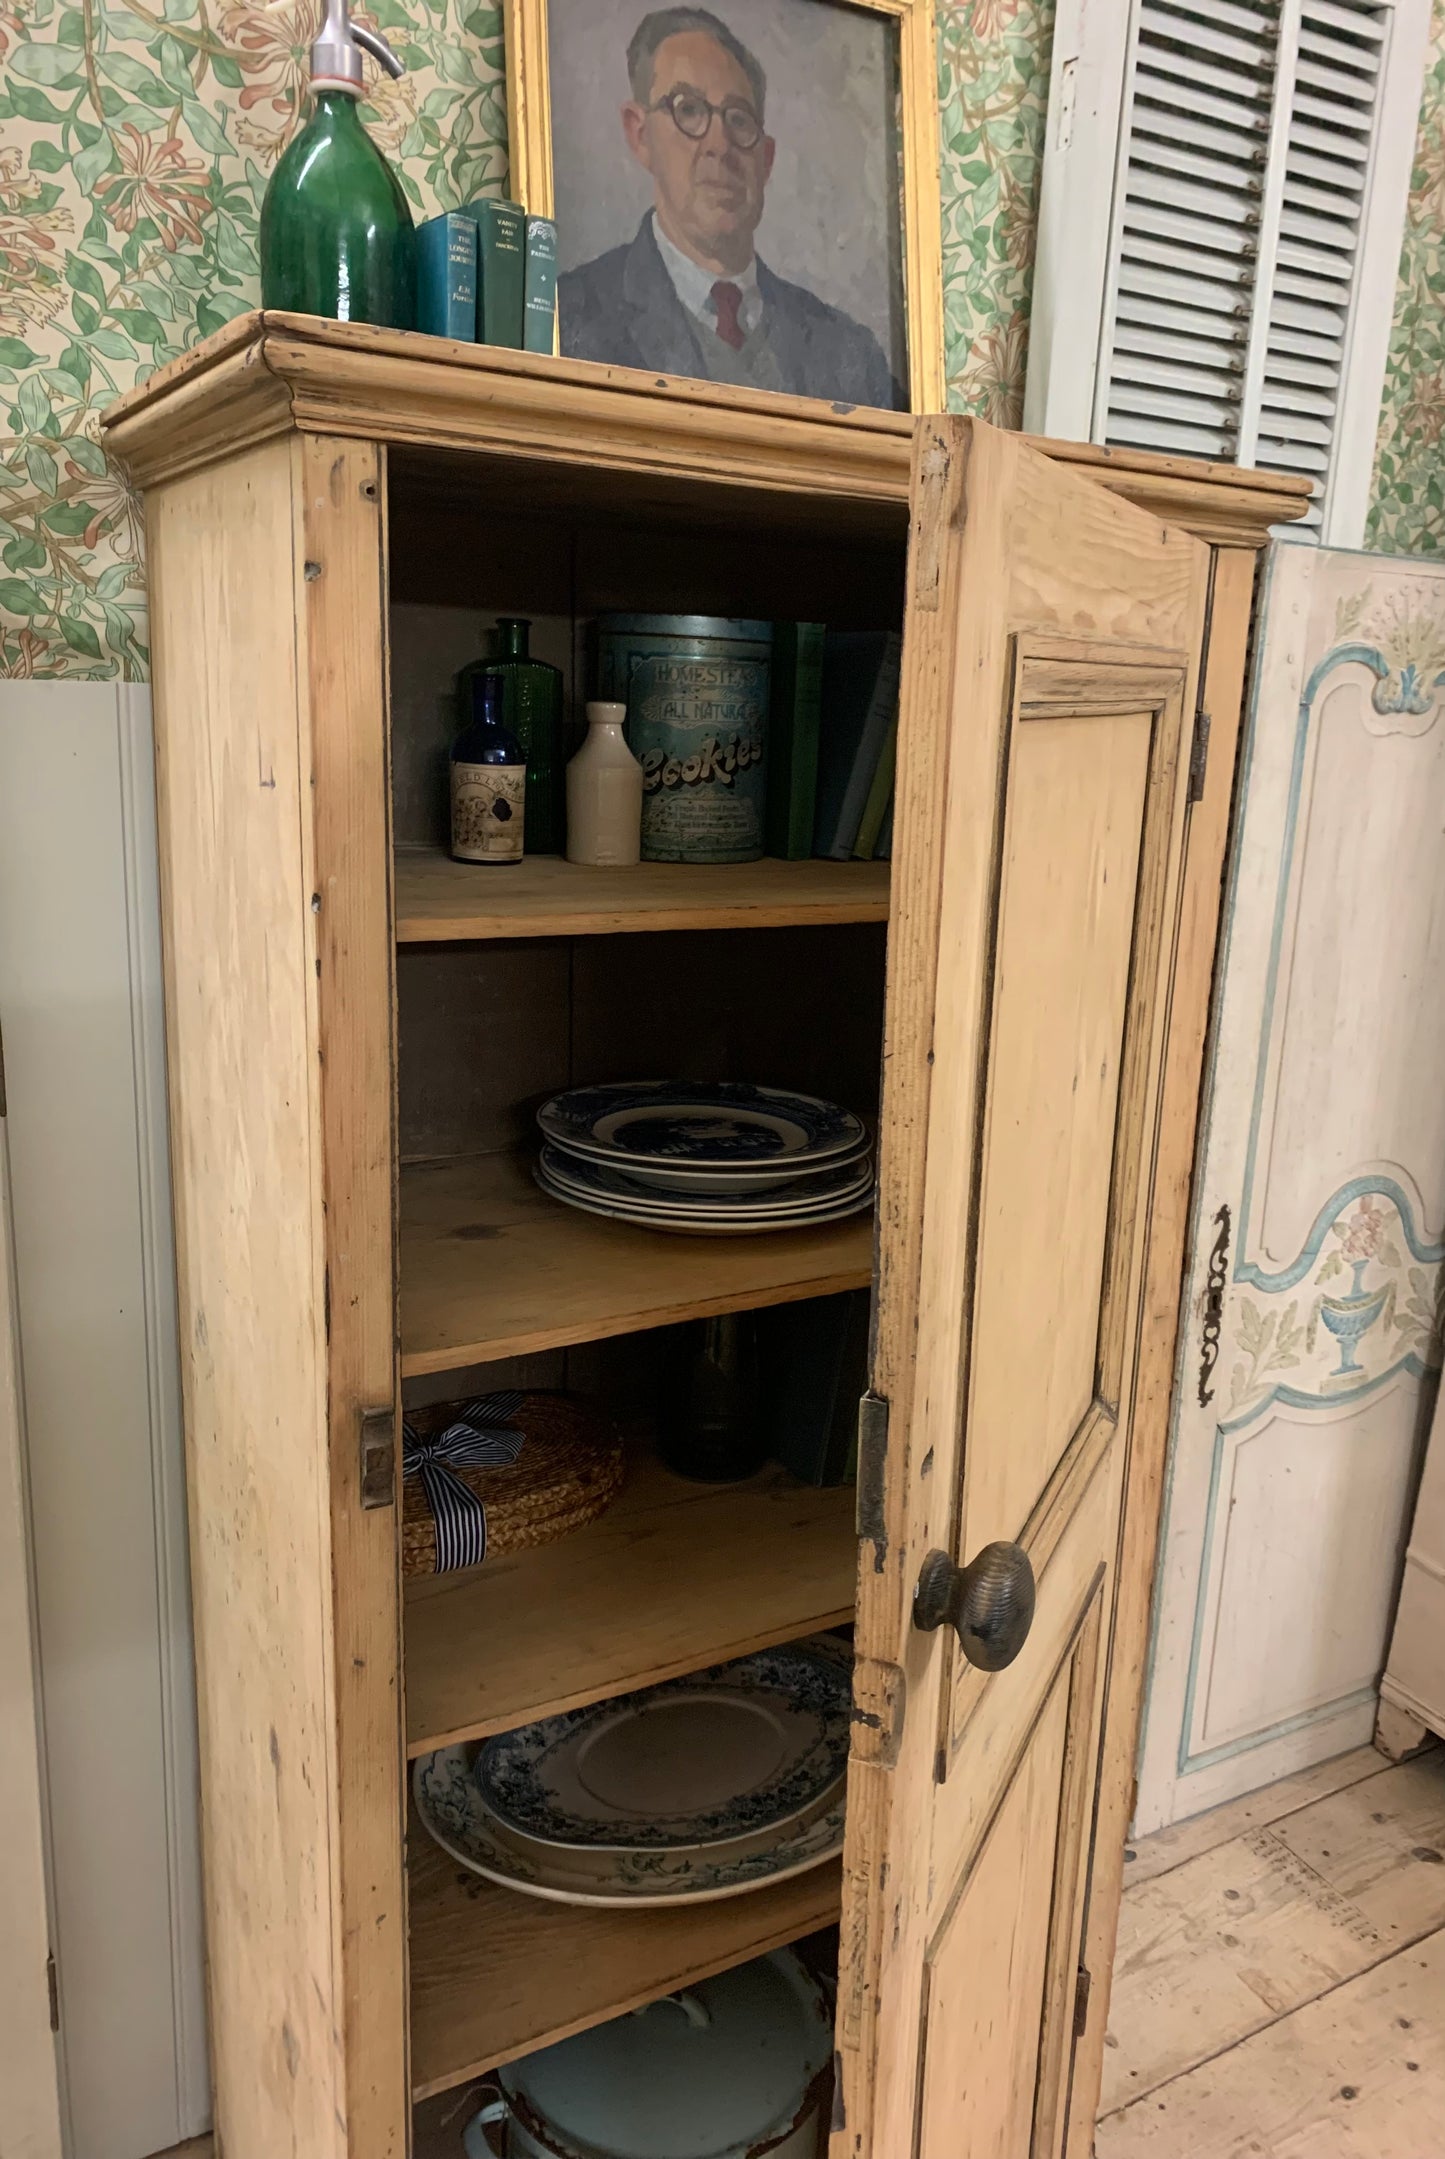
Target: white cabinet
1412,1692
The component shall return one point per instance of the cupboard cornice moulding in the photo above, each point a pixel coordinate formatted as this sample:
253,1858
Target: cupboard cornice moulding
267,373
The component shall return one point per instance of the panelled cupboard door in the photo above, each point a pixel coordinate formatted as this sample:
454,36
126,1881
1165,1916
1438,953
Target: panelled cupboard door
1050,643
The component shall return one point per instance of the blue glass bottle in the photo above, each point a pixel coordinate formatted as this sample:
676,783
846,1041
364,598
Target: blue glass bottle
532,709
489,781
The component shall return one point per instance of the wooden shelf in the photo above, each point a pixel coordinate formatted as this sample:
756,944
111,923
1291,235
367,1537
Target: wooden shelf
438,900
492,1267
673,1577
495,1974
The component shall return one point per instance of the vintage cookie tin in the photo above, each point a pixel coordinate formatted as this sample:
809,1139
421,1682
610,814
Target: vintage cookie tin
696,691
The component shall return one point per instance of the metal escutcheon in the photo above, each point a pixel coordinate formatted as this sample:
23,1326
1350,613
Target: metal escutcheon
989,1603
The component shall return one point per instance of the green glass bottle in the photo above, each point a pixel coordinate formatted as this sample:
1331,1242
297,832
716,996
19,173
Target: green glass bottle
711,1427
532,711
336,230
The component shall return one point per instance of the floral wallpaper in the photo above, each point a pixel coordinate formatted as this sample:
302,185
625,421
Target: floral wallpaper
136,139
1408,517
993,87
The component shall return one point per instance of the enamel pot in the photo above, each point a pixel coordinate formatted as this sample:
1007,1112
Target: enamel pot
734,2068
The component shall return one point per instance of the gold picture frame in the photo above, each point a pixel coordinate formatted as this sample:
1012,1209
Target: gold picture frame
529,125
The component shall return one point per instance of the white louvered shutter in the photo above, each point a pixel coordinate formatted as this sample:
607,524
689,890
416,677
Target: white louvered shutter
1191,209
1331,110
1249,133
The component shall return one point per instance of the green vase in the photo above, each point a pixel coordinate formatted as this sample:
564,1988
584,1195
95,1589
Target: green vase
336,229
532,711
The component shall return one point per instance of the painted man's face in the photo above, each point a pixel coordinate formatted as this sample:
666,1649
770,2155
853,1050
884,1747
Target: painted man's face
708,190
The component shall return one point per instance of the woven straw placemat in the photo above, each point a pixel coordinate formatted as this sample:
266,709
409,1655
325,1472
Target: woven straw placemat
569,1471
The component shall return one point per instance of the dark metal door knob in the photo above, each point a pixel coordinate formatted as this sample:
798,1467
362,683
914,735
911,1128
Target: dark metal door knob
989,1603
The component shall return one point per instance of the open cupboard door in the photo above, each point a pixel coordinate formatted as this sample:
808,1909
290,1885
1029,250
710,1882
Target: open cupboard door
1043,762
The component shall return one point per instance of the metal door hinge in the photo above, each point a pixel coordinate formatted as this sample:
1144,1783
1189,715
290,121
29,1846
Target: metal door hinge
1083,1987
52,1988
872,1459
1199,755
378,1457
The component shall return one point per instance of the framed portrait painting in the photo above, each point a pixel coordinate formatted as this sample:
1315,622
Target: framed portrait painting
745,192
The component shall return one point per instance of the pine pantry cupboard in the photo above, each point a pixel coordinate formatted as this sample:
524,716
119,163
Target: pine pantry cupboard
357,1031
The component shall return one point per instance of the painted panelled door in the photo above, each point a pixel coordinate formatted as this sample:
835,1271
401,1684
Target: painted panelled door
1311,1324
1041,809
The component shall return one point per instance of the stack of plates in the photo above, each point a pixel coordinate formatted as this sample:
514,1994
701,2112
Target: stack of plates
700,1788
718,1159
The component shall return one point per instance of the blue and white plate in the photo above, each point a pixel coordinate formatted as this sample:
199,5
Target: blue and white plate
455,1815
681,1180
725,1125
698,1761
709,1221
571,1177
627,1758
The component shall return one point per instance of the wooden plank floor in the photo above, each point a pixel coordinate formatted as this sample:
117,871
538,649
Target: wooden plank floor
1280,1985
1280,1978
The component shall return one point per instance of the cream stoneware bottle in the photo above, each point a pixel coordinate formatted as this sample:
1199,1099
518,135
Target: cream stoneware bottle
604,794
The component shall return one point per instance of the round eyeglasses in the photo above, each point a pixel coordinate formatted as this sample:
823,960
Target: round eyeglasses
691,114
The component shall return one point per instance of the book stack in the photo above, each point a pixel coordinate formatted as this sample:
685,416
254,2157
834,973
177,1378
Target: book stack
488,275
833,739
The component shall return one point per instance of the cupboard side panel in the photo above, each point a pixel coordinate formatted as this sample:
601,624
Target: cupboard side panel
341,606
1222,695
246,1162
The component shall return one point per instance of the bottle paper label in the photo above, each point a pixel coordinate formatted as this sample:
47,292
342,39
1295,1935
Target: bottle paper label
487,812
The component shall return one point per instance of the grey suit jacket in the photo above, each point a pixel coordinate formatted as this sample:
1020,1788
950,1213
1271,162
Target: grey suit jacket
623,308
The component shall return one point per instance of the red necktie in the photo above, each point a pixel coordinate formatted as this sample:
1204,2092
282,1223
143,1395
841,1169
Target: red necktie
727,299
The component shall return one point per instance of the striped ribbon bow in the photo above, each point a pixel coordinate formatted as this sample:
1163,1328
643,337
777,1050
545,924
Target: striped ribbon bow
480,1438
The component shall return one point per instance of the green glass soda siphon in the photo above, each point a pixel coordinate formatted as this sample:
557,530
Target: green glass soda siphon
532,709
336,229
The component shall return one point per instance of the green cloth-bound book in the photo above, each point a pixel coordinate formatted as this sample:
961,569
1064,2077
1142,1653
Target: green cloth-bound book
446,276
880,794
795,709
501,270
860,699
539,298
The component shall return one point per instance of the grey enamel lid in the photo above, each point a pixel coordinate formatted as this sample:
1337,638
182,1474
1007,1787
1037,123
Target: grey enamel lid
722,626
707,2074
